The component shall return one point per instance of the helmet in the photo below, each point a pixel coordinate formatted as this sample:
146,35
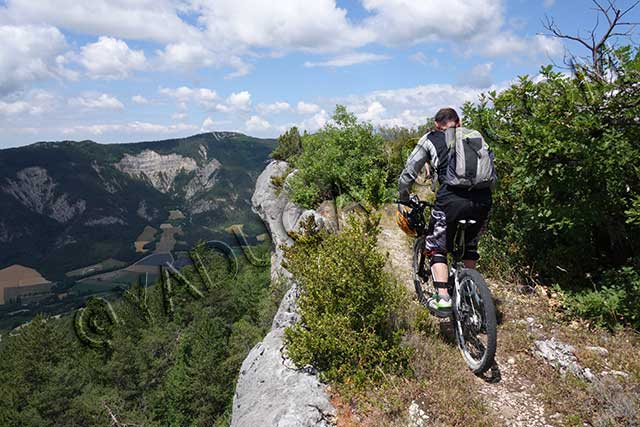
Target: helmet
405,222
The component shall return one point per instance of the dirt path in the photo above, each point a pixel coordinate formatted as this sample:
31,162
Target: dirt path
510,396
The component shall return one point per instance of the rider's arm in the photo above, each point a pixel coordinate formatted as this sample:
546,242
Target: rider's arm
416,161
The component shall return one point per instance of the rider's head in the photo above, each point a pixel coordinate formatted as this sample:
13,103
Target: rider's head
447,118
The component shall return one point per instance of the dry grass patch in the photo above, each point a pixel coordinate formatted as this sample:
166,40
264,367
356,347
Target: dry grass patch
441,385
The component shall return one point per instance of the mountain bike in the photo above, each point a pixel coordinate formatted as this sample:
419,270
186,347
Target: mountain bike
473,315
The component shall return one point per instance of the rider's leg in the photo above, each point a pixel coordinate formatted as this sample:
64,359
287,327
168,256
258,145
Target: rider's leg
436,248
473,234
440,271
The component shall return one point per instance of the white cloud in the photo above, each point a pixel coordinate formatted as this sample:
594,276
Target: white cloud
155,20
96,101
187,55
509,44
400,21
29,54
317,26
316,122
240,101
34,102
184,95
132,127
274,108
178,116
411,106
479,76
347,60
110,58
374,112
305,108
257,124
139,99
209,125
421,58
550,46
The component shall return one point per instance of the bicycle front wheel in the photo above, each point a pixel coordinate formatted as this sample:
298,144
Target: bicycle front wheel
475,321
421,273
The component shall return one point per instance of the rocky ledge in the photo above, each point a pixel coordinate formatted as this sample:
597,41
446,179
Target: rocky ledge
271,390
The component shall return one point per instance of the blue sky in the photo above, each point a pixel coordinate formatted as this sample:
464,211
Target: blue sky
133,70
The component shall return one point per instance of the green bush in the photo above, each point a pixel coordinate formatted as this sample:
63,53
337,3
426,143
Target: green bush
349,306
160,370
567,154
345,157
617,300
289,145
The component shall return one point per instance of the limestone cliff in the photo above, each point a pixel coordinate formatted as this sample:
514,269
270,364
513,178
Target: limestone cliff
36,190
271,390
161,170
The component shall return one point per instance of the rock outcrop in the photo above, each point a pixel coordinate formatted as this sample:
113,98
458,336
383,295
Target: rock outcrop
204,179
36,190
161,170
561,356
271,390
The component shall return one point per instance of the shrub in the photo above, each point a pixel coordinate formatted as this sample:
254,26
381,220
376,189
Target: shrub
289,145
617,300
350,328
344,157
566,206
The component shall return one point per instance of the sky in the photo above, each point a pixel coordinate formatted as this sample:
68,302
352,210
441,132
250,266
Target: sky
140,70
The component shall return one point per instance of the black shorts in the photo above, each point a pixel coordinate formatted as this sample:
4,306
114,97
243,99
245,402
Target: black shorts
452,206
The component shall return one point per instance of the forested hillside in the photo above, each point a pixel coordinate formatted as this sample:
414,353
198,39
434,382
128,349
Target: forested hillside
155,365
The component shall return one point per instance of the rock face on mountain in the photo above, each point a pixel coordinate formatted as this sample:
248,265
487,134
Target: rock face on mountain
36,190
160,170
271,390
204,179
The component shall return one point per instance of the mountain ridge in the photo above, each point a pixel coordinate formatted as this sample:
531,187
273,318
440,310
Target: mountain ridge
68,204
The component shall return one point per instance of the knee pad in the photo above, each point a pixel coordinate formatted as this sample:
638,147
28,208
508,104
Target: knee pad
438,258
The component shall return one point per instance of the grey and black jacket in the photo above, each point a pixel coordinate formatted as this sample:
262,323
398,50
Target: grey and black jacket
431,148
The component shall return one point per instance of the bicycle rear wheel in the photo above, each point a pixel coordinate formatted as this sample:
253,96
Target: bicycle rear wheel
475,321
421,274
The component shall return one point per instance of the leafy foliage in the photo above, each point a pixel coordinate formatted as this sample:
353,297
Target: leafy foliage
349,305
289,145
568,157
160,370
344,158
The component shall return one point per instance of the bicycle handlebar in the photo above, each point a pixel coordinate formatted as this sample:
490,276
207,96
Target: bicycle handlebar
415,203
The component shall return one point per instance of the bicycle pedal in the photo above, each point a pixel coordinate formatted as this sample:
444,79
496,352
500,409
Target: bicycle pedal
438,313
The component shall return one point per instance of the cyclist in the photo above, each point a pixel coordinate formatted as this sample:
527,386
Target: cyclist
452,204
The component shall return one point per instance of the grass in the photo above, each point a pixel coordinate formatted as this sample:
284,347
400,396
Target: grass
440,384
443,387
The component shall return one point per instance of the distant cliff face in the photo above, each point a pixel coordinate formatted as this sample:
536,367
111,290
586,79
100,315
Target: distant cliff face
35,190
161,171
70,204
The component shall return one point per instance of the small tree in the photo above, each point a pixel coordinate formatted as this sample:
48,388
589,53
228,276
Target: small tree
345,158
601,44
289,145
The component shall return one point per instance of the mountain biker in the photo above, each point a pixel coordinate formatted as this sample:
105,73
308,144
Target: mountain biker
452,204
